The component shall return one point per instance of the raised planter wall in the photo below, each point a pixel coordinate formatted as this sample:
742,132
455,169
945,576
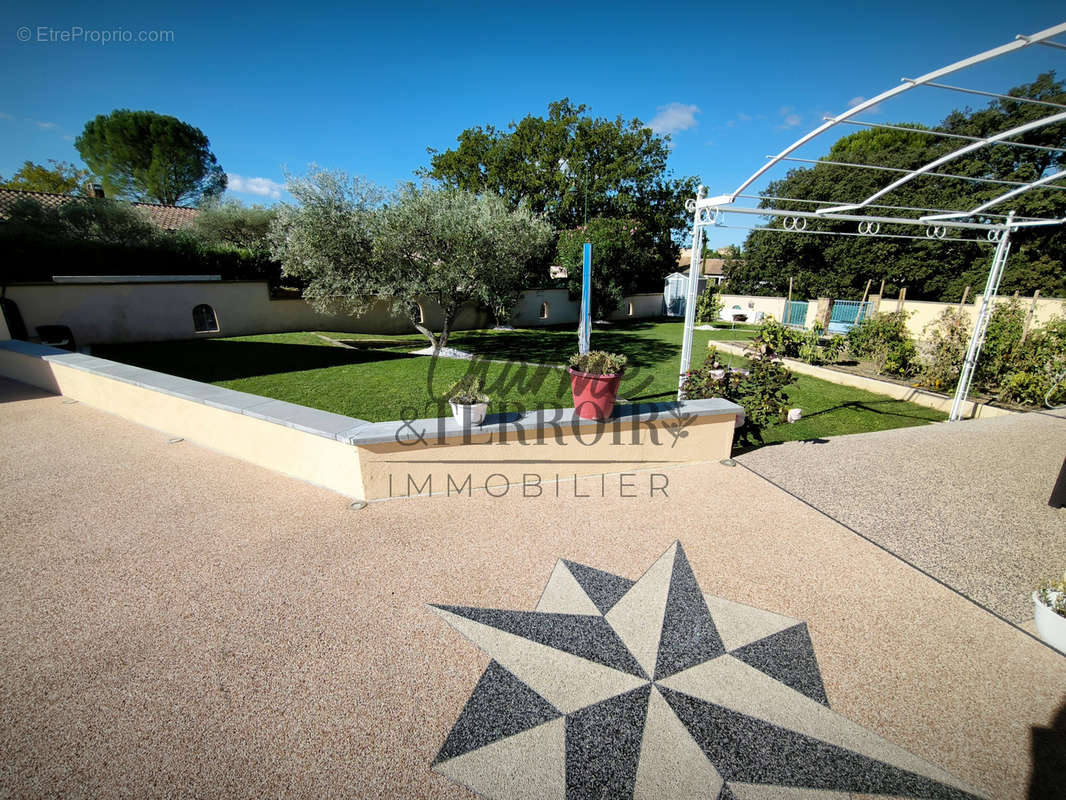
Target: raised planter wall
375,461
971,409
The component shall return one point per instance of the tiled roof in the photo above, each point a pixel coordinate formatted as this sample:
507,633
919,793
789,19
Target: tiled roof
711,266
169,218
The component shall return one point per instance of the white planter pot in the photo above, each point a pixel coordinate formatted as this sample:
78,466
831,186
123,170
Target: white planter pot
1050,626
468,416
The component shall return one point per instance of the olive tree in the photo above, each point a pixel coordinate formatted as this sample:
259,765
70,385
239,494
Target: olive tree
354,249
455,247
324,239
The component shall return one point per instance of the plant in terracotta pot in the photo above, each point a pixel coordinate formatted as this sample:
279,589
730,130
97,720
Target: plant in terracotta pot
1049,601
469,403
594,379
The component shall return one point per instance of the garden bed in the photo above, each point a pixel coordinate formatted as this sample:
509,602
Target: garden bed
377,379
861,379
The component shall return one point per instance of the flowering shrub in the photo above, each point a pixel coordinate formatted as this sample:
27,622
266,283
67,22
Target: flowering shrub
1038,362
1010,368
759,390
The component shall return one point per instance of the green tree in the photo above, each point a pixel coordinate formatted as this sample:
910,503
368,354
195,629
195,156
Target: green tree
233,224
454,247
150,157
60,178
448,245
840,266
624,261
571,168
82,220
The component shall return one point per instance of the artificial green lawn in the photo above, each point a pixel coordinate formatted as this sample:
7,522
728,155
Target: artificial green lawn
377,379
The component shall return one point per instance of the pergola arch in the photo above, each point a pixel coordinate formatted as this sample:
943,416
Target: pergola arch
979,224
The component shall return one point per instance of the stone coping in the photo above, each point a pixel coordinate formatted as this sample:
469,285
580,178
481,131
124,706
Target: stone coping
530,422
354,431
291,415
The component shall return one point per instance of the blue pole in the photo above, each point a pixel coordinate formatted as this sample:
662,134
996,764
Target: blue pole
585,329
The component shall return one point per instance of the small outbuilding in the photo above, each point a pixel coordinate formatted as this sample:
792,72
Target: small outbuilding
675,292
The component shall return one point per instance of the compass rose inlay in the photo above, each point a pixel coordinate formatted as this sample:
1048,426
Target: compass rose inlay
614,688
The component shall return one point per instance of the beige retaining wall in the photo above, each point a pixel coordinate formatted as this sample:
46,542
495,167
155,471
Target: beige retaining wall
107,313
514,462
560,308
376,461
920,312
752,305
315,459
144,312
970,410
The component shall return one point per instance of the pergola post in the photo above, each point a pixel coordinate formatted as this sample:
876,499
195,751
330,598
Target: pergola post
980,325
693,291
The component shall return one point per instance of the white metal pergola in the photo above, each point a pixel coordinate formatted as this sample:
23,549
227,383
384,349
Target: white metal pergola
871,219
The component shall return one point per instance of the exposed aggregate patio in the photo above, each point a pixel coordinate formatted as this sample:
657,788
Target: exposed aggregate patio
177,623
966,502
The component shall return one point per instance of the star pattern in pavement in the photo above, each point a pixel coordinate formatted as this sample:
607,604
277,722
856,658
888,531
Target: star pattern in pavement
614,688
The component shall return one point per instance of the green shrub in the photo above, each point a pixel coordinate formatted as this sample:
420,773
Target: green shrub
467,391
597,362
810,349
944,346
1037,363
835,349
709,305
772,338
884,340
1006,326
759,390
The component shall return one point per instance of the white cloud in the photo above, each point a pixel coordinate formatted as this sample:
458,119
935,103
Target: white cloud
674,117
46,126
860,99
263,187
790,121
742,117
5,116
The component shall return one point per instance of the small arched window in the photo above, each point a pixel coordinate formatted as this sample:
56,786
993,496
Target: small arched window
544,310
418,314
631,308
204,319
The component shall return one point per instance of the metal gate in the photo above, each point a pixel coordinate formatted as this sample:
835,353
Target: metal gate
847,314
796,313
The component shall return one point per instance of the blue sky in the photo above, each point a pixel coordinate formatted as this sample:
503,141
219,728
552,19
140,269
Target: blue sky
367,88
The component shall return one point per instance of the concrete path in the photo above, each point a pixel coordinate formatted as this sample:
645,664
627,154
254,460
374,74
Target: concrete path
177,623
967,502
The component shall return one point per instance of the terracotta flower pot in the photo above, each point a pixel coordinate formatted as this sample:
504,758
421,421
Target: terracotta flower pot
594,395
